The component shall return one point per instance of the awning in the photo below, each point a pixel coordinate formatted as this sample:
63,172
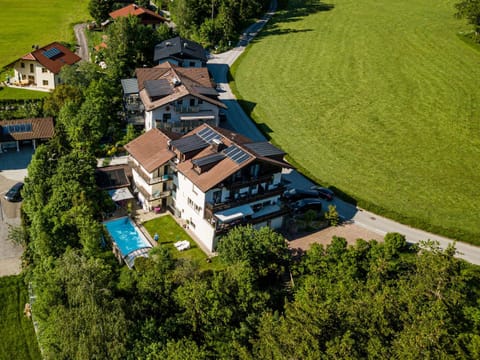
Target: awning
234,213
197,117
266,210
120,194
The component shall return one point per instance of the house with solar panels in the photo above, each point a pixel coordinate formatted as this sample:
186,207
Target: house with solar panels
213,179
40,68
15,133
174,98
181,52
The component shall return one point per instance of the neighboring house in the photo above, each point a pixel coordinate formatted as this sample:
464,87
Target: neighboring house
40,68
145,16
152,174
175,99
134,109
212,179
15,132
114,180
181,52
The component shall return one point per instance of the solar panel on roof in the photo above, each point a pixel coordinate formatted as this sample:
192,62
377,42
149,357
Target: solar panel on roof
209,135
236,154
50,53
189,143
158,88
264,148
16,128
209,159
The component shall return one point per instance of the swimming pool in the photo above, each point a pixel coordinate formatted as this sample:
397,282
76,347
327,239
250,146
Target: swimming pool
127,236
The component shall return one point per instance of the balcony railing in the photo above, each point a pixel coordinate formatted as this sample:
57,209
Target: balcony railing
186,109
156,195
248,181
146,178
224,228
211,208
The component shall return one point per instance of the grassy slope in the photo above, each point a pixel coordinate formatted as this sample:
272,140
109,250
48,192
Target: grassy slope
28,22
379,99
7,93
16,331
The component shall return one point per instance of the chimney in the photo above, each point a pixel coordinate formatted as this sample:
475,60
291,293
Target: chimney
217,145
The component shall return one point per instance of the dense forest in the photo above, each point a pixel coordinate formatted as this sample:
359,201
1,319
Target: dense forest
373,299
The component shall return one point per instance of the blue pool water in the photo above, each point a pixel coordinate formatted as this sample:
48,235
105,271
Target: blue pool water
126,235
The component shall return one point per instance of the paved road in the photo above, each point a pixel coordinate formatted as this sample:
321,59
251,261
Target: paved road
12,169
82,50
238,121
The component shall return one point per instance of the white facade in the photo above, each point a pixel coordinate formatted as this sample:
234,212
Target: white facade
190,202
32,73
183,115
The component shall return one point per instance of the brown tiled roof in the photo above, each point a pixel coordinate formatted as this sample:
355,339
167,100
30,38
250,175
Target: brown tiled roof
191,80
138,11
66,57
225,167
41,128
150,149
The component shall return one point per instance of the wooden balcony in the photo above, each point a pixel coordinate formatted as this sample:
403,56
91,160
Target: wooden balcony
248,181
149,180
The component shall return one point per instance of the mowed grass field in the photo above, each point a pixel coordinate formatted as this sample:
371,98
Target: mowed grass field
17,336
379,99
28,22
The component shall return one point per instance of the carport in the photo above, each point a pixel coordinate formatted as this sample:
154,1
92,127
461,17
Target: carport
14,132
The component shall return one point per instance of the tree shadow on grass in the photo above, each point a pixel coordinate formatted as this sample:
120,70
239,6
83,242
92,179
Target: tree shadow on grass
296,11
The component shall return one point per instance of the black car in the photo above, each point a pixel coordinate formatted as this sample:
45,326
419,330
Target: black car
304,205
324,193
14,193
298,194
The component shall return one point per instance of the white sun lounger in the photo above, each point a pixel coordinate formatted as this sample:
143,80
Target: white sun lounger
182,245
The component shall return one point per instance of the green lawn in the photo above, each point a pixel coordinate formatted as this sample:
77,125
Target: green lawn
7,93
170,232
378,99
18,339
28,22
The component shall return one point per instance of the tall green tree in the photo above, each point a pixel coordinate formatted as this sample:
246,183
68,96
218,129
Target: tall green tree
264,250
84,320
470,10
99,9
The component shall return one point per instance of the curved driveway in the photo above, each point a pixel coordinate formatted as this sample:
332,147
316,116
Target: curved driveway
239,122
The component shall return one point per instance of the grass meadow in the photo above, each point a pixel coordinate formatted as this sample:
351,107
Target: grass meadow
28,22
378,99
17,336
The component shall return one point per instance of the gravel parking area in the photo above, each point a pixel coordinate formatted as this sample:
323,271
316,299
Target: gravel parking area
349,231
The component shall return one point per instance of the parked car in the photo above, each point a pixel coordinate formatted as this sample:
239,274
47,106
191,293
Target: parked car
298,194
14,193
304,205
324,193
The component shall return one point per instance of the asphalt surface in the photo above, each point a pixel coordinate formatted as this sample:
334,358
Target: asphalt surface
82,49
13,166
238,121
